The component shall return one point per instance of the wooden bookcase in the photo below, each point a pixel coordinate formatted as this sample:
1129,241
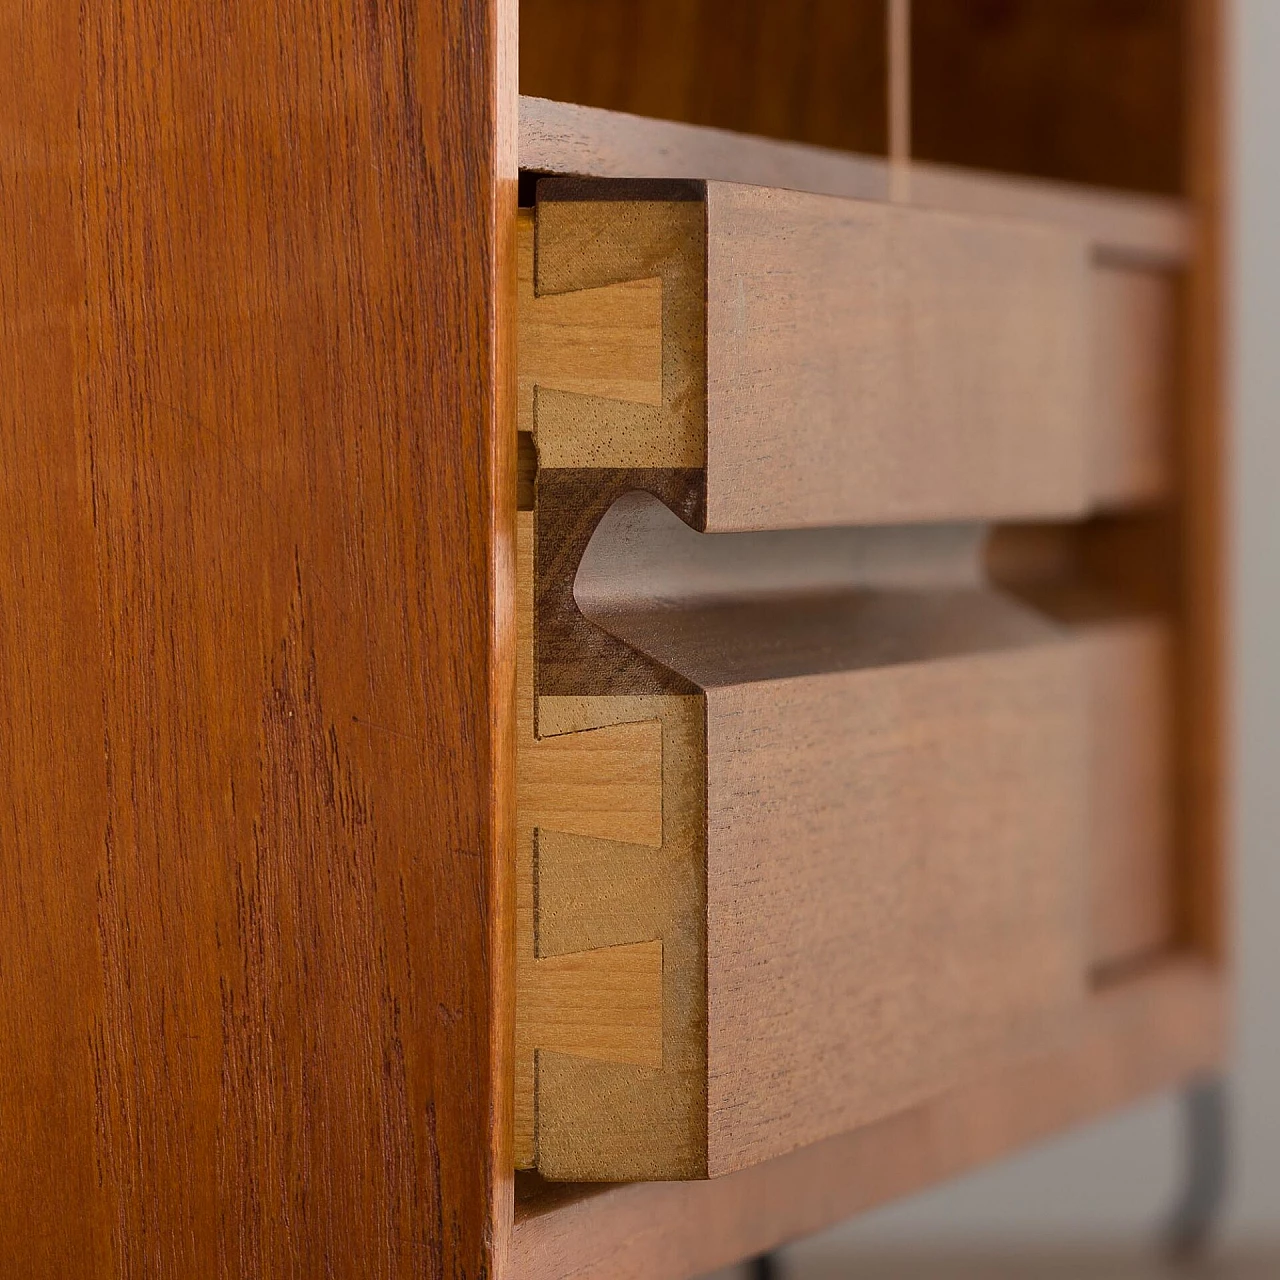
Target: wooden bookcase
261,574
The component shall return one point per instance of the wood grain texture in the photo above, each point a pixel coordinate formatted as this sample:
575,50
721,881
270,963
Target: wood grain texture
604,1004
1135,351
255,667
895,878
610,956
591,342
811,70
601,782
1132,861
612,245
1132,320
1152,1032
1204,763
573,655
863,363
607,1120
871,364
564,138
606,783
1081,90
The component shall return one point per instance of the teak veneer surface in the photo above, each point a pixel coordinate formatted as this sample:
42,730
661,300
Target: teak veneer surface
895,873
1132,840
255,655
1081,90
812,70
864,363
872,364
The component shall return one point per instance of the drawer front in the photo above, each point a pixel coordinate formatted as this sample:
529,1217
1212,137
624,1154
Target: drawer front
895,887
868,363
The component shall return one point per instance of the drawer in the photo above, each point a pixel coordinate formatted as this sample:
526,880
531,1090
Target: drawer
821,361
781,907
813,814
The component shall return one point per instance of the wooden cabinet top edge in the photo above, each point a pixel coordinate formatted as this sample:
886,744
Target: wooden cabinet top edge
564,138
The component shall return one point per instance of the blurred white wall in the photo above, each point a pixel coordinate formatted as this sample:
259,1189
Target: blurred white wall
1257,531
1113,1182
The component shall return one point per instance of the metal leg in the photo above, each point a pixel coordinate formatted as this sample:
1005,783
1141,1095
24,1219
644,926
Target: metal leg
1207,1120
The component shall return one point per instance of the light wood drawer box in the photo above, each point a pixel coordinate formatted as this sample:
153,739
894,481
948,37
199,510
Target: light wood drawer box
810,811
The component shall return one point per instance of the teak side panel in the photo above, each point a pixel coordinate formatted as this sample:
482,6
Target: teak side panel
895,883
1204,662
255,661
870,363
